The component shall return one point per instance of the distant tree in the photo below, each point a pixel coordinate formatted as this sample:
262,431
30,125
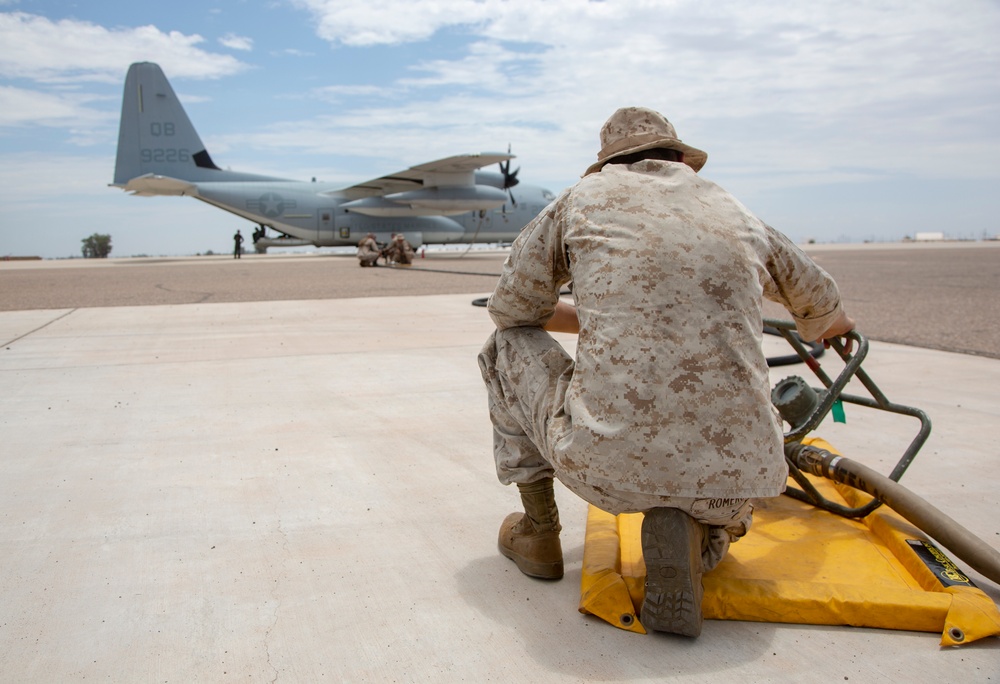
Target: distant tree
96,246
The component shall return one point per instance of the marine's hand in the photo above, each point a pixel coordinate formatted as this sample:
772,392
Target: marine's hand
564,319
842,325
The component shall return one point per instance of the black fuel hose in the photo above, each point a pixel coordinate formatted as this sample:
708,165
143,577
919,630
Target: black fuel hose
978,554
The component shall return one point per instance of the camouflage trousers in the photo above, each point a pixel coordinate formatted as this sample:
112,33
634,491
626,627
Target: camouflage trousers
527,372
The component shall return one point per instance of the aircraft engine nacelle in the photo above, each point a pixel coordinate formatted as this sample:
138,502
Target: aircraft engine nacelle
451,200
380,207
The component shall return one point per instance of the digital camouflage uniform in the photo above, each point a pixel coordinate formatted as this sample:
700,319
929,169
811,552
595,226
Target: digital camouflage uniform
667,403
400,251
368,251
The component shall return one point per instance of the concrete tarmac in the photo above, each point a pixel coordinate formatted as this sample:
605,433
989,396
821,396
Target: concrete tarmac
302,489
934,295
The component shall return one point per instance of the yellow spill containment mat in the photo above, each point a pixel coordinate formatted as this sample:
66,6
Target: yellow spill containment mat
800,564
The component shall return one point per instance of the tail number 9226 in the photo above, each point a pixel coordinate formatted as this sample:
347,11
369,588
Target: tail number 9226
164,154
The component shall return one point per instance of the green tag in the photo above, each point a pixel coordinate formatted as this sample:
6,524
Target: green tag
838,412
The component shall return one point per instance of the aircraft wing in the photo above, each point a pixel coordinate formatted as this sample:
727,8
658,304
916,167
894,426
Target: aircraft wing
448,171
445,187
150,184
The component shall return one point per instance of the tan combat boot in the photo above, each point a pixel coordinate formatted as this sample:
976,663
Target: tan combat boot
531,539
672,543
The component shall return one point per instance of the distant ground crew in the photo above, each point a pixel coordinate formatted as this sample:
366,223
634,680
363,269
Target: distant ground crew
399,251
237,245
368,251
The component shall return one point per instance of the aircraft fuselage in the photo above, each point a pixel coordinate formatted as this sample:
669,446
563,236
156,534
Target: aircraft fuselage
313,212
444,201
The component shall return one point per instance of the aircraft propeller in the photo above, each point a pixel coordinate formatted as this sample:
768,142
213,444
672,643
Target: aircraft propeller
509,177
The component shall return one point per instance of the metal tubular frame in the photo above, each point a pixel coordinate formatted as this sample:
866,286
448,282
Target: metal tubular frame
834,390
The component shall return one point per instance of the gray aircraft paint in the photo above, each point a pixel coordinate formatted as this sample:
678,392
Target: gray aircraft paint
449,200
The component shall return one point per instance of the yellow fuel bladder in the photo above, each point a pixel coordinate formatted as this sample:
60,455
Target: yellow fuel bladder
800,564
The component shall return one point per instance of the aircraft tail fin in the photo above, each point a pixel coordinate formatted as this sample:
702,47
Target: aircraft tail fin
155,135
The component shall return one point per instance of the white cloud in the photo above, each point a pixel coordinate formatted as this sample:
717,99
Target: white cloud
770,85
346,92
487,65
234,42
35,47
387,22
19,107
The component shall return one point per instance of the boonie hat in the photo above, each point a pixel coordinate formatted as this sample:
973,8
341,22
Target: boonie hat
633,129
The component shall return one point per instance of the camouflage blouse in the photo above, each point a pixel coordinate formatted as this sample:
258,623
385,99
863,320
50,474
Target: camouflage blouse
670,393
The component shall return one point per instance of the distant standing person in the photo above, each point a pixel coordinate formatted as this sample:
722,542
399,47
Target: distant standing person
237,245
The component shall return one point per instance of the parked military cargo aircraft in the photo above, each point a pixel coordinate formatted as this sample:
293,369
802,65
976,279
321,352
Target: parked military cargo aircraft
450,200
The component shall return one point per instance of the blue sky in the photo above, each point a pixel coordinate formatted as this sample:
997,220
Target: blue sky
832,120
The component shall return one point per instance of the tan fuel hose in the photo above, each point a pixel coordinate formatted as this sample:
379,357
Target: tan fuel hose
978,554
